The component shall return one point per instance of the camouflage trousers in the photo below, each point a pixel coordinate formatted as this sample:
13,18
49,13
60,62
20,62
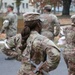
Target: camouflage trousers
27,70
69,56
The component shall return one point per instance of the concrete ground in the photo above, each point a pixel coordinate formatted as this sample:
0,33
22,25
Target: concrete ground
11,67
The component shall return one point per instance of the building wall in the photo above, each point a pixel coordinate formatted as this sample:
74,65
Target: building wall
24,7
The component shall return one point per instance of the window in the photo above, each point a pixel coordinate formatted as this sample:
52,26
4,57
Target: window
27,5
23,5
13,4
5,5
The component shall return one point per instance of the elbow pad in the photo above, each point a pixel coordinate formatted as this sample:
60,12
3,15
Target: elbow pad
6,22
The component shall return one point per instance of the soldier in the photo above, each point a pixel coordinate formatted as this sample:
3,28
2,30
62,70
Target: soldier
69,50
50,21
37,49
10,23
11,49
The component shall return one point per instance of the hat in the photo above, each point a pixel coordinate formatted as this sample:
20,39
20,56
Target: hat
31,16
47,7
10,6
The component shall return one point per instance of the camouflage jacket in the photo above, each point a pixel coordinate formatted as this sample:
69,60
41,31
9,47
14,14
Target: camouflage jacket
69,36
50,21
10,24
11,47
39,48
14,42
69,49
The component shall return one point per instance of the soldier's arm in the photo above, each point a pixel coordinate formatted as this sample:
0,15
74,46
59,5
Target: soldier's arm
6,22
2,29
11,47
26,52
57,29
57,26
52,60
14,41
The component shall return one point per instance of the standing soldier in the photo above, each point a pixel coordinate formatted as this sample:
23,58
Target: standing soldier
50,21
10,23
69,50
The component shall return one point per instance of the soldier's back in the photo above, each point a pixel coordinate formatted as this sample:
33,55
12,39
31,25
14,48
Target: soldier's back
47,25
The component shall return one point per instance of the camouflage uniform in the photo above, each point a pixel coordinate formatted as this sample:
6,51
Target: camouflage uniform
69,50
13,44
10,24
39,48
50,22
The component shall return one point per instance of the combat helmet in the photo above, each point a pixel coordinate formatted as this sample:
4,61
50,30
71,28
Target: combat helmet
47,7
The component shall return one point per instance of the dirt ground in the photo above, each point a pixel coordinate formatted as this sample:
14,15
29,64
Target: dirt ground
65,21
